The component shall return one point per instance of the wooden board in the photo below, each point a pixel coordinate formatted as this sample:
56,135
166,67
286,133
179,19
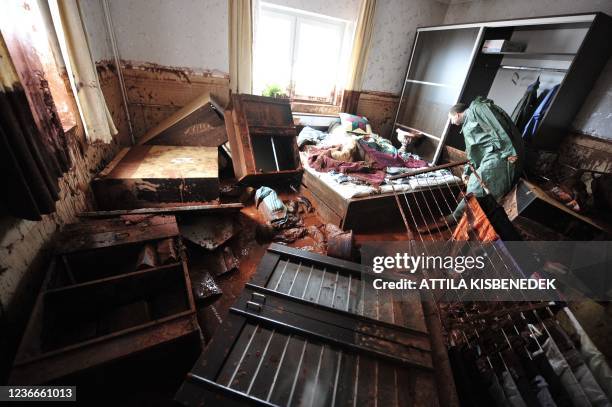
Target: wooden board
196,124
530,201
142,175
302,333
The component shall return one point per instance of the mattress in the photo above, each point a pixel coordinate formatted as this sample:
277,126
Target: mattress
350,190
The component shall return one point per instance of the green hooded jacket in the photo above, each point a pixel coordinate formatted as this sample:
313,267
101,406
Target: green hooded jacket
490,138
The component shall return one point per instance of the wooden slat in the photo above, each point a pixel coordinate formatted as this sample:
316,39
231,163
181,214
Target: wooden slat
208,208
288,371
175,118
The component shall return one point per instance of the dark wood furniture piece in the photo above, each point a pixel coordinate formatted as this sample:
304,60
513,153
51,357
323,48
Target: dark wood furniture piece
97,307
311,330
529,201
262,139
448,66
145,176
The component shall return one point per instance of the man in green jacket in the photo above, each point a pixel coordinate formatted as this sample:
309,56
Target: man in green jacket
494,147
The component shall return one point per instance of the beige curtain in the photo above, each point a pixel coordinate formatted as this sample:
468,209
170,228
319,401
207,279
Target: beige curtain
81,68
361,45
240,44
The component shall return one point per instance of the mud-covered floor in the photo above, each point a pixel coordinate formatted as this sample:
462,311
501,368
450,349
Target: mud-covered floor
250,250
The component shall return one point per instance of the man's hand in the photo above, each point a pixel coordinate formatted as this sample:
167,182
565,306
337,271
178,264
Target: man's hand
512,159
465,178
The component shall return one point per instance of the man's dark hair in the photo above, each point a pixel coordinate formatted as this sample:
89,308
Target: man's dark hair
458,108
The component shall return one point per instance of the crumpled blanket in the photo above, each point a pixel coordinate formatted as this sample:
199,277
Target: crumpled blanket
320,159
381,160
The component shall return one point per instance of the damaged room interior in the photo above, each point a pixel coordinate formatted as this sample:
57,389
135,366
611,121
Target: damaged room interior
306,203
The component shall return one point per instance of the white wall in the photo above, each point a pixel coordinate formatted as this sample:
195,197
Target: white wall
395,25
193,33
92,14
595,117
180,33
483,10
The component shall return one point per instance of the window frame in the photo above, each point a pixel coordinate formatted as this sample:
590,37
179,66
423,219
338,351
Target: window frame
298,17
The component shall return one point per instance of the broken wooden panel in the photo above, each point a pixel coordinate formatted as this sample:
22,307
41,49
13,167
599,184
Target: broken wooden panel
96,307
167,209
208,232
532,202
262,139
142,176
196,124
278,348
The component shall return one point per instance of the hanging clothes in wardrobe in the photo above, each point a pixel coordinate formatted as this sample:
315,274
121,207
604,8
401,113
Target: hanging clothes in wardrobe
526,106
534,122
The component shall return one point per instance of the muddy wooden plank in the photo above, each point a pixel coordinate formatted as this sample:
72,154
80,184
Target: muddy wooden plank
386,306
367,374
371,306
239,350
265,378
252,359
108,233
355,300
307,370
327,292
195,124
323,392
341,296
301,279
346,380
287,281
289,370
277,274
386,385
170,209
314,285
148,174
406,381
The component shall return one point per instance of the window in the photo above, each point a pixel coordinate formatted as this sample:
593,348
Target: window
304,54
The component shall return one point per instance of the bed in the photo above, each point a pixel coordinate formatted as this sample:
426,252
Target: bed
363,207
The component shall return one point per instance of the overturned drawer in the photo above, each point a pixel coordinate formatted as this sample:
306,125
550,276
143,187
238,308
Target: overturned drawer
144,176
97,305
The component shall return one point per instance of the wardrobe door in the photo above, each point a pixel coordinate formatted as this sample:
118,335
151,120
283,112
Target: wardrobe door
440,62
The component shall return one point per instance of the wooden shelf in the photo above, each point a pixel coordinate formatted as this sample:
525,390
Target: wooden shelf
535,55
407,128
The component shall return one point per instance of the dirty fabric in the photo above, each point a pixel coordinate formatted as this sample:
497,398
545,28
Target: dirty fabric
595,360
32,157
511,390
321,160
308,135
497,392
274,209
563,370
381,159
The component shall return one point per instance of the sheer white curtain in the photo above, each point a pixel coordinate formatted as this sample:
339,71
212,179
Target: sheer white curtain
240,44
81,69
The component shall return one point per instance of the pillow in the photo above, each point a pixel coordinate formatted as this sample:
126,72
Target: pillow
355,124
